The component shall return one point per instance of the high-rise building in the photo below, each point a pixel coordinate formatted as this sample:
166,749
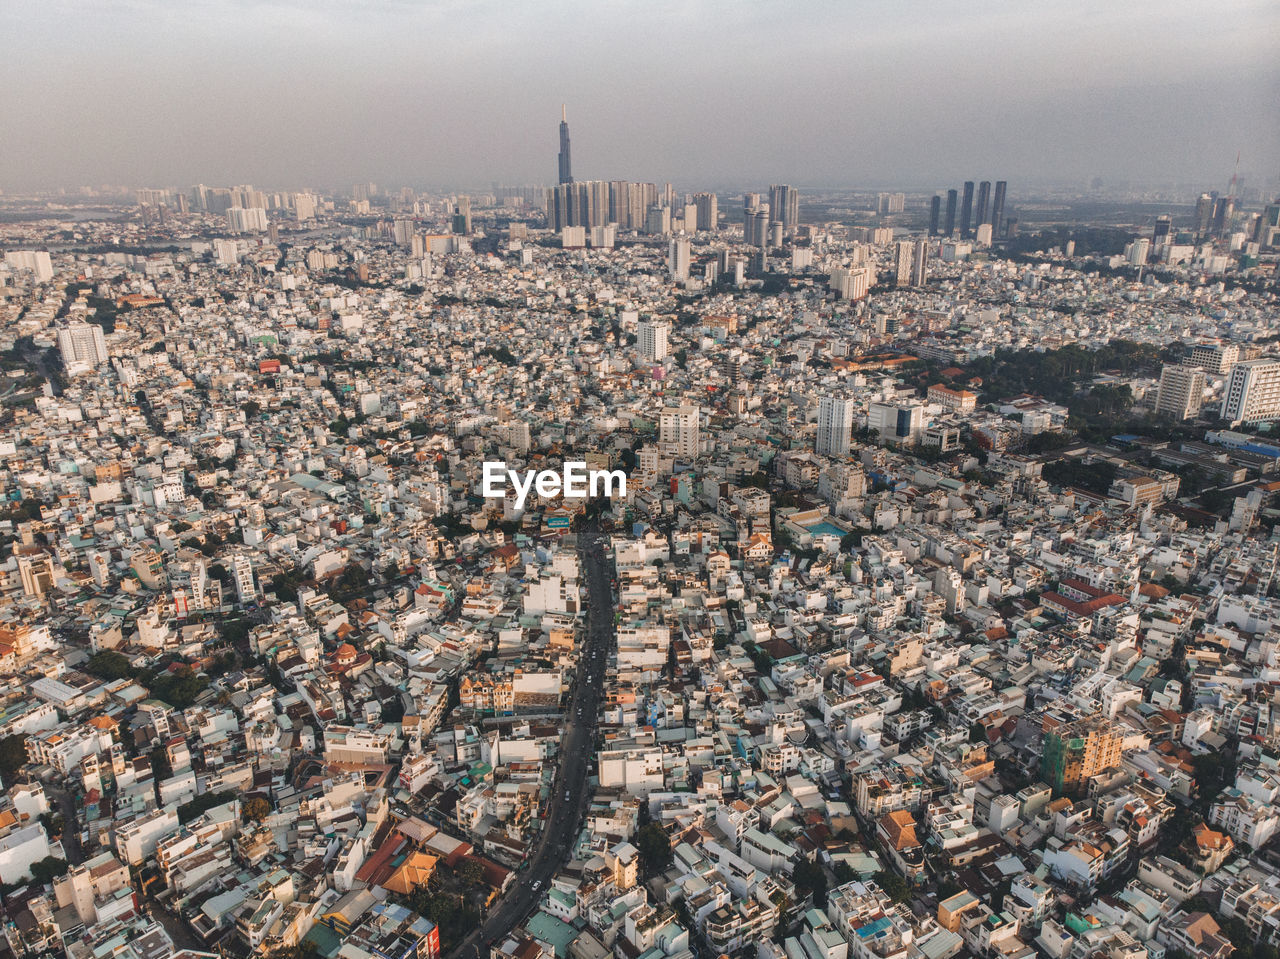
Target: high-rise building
1214,357
1223,210
82,344
462,215
657,221
678,258
708,213
997,208
1181,391
305,205
984,197
902,263
755,220
37,261
566,171
678,431
966,211
1253,392
919,262
690,217
784,206
1160,234
835,426
242,573
889,203
935,210
1076,752
653,340
246,219
950,225
1136,251
1204,212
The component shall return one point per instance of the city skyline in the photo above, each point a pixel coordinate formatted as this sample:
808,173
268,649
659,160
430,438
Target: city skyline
393,95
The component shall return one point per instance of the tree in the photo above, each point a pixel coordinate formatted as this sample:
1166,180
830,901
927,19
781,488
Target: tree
844,872
161,768
810,880
470,872
202,803
654,847
109,665
48,869
255,809
13,756
895,886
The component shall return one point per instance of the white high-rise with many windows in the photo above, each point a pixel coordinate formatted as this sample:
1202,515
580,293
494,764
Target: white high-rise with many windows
1181,391
678,259
653,340
678,431
1253,392
835,424
82,345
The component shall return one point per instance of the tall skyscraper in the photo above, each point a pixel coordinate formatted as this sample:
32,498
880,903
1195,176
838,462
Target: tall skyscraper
935,210
755,220
678,258
566,171
784,205
82,344
997,209
835,425
966,211
708,212
919,262
950,227
1181,391
902,263
984,197
1204,212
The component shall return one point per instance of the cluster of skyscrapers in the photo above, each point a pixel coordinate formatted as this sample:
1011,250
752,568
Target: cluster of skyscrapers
989,212
765,224
648,208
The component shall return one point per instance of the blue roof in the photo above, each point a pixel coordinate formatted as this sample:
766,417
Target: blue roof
875,928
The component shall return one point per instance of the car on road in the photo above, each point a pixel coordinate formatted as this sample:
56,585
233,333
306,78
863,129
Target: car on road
537,885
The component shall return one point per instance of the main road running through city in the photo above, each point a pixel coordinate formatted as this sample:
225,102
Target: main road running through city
569,794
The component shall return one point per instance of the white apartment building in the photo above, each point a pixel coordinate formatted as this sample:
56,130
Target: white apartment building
82,345
1181,391
1253,392
1215,358
835,425
653,340
679,431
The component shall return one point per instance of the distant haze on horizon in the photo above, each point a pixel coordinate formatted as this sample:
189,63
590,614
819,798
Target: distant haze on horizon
466,93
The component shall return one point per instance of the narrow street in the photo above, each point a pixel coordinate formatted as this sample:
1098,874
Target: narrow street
569,794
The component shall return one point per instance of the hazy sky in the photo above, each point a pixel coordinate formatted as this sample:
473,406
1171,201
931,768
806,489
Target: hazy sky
914,93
